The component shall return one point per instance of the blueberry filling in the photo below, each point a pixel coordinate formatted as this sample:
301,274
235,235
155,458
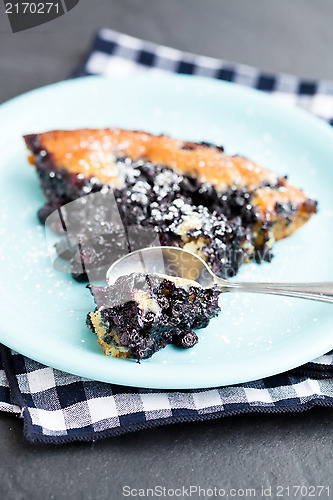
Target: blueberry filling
286,209
218,225
141,314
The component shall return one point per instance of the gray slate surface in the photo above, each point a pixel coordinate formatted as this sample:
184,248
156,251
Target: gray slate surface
276,35
239,452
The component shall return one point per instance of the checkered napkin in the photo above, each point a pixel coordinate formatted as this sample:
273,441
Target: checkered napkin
57,407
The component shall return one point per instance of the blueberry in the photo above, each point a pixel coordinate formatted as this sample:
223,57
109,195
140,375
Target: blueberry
187,340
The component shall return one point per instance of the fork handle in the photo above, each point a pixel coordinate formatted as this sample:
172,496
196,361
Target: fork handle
322,292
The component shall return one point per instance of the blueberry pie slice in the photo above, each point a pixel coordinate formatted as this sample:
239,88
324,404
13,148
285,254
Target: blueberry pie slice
227,209
141,314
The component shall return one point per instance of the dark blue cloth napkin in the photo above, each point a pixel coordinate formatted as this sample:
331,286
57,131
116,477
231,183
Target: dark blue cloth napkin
57,407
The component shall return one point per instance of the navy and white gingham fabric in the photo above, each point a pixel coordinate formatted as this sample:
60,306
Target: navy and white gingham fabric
57,407
114,53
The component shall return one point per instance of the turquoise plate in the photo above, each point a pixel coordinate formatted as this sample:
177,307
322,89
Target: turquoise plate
43,312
